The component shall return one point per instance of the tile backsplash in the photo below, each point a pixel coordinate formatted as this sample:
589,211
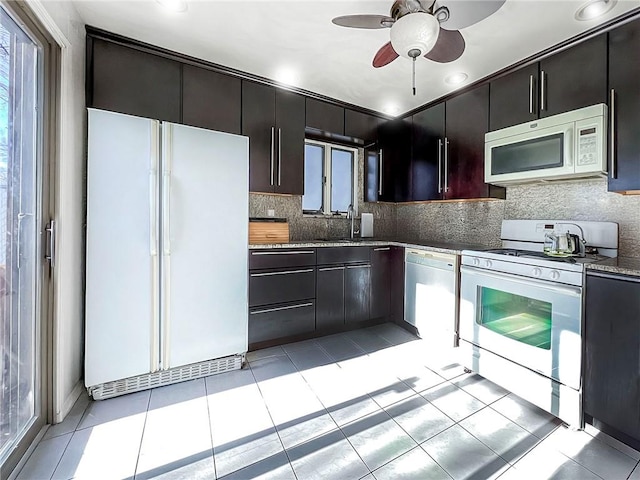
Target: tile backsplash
470,222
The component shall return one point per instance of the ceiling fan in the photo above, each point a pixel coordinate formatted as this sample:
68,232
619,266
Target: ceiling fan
423,28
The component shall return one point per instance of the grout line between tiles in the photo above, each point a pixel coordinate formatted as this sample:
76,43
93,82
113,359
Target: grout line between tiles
144,426
213,453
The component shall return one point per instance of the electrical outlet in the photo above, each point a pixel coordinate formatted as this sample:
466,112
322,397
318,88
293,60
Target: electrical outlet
271,213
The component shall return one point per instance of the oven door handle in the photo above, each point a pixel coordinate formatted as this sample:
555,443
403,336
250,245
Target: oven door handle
564,289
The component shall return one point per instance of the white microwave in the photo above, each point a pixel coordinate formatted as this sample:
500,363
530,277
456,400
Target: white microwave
564,146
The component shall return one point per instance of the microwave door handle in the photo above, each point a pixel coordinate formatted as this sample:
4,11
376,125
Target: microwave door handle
569,147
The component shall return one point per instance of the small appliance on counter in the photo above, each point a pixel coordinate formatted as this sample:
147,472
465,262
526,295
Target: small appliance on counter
268,230
366,225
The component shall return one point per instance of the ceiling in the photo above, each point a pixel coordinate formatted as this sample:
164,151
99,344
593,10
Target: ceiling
295,42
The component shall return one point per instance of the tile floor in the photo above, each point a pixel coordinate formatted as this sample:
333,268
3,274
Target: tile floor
371,404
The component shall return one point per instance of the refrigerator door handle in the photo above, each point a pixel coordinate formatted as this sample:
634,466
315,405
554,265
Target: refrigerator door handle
154,193
166,190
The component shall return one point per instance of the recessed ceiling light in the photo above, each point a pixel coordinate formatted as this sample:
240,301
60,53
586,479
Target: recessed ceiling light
174,5
391,109
456,78
594,9
286,75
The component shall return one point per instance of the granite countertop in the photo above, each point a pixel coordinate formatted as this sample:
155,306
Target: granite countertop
621,265
441,247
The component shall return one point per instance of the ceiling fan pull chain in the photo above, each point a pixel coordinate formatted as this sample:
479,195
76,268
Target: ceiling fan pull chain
414,76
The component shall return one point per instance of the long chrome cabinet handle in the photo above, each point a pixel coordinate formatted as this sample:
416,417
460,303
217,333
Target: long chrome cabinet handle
614,173
382,249
439,165
279,156
299,252
273,139
358,266
530,93
290,272
543,97
279,309
329,269
446,164
50,256
380,174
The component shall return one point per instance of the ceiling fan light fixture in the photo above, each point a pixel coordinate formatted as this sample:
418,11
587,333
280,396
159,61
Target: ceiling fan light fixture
594,9
456,78
415,31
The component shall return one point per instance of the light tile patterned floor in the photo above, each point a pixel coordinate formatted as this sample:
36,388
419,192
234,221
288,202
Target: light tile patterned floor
370,404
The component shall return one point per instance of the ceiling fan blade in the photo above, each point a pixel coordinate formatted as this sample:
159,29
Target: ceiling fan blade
385,55
464,13
364,21
449,47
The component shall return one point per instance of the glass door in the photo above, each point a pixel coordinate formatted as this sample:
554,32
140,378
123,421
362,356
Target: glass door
20,259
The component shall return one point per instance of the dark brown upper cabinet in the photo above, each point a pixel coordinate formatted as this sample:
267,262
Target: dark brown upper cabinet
394,161
624,108
570,79
467,121
427,144
274,122
211,100
361,125
126,80
324,116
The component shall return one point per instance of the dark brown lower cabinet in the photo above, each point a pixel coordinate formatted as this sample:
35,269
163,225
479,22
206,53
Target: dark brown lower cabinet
329,297
381,258
357,291
279,321
612,355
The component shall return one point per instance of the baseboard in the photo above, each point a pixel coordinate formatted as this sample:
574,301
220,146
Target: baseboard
69,402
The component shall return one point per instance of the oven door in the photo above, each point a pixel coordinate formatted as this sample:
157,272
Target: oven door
531,322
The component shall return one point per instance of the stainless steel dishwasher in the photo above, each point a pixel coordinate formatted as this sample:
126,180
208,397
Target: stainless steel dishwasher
430,299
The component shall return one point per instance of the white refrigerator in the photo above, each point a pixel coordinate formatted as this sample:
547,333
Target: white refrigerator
166,259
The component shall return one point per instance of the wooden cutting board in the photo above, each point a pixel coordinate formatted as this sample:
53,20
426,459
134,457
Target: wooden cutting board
268,230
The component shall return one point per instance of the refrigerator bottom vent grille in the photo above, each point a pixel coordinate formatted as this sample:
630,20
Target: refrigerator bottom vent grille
166,377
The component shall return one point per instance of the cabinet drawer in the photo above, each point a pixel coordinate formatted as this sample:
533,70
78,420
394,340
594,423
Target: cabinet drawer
281,258
281,321
330,255
281,286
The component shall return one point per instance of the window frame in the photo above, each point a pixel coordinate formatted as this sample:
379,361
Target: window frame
328,148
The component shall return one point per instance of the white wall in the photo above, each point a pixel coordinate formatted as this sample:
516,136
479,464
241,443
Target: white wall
63,22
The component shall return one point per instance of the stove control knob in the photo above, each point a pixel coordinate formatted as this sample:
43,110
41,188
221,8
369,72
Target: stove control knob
555,275
476,262
488,263
537,272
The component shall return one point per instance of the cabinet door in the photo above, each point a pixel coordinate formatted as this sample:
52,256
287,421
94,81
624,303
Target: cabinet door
467,122
273,322
357,286
290,142
211,100
624,44
126,80
324,116
426,154
395,143
380,282
330,297
258,123
372,180
514,98
397,284
361,125
574,78
612,338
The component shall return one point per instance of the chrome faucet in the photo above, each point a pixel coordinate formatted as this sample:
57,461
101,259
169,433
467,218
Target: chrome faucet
351,215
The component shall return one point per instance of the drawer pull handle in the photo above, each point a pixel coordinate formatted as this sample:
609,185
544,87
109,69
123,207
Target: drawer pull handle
359,266
299,252
279,309
383,249
330,269
290,272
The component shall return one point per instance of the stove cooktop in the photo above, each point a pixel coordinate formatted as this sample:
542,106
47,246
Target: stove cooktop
512,252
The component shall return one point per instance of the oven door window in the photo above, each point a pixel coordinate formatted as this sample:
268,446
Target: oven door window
524,319
535,154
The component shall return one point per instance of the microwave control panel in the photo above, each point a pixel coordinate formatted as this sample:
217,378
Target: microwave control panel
587,146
